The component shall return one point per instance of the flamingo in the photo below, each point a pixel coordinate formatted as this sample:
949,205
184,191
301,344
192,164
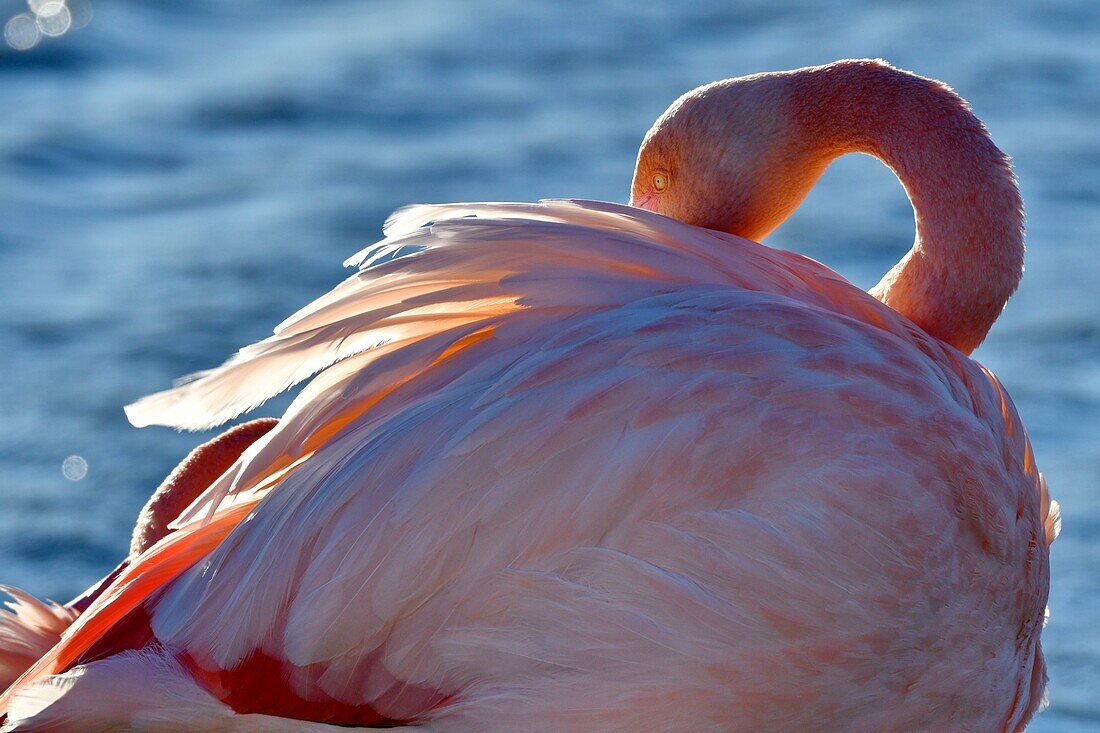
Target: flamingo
576,465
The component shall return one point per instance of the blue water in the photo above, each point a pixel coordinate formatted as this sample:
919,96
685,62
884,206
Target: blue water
175,178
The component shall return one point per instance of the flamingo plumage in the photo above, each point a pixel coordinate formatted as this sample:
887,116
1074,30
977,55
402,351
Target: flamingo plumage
582,466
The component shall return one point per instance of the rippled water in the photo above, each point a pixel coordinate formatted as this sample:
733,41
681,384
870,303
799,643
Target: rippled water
175,178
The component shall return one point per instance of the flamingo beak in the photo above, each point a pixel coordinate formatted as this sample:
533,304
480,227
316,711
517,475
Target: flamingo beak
647,202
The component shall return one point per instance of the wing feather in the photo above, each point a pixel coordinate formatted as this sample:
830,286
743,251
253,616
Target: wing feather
445,266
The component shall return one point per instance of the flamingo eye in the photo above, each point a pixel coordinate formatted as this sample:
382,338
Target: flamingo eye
660,182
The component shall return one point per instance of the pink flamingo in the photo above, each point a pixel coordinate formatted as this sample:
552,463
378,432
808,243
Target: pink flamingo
581,466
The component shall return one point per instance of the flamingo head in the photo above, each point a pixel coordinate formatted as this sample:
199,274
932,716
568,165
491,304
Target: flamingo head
733,156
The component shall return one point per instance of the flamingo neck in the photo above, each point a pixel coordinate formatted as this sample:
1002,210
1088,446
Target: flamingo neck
968,255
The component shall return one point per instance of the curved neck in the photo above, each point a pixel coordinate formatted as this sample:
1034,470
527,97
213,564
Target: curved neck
969,250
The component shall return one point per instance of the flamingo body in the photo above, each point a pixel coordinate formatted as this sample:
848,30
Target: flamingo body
590,439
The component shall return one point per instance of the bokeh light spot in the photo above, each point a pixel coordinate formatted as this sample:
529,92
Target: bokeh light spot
54,18
21,32
74,468
47,18
81,13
